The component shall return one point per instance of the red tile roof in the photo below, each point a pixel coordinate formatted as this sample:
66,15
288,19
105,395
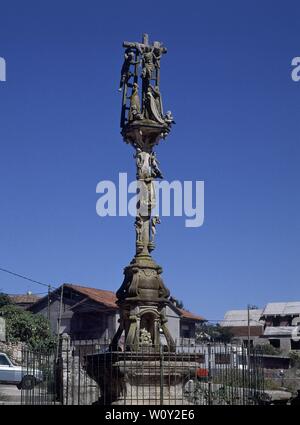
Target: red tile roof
108,298
188,315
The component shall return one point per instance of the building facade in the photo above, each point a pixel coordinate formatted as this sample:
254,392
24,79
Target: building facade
90,313
278,324
281,325
237,322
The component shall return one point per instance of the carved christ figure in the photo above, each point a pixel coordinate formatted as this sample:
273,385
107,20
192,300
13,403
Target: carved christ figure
148,64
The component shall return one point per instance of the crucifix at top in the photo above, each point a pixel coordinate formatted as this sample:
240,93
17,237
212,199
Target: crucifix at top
147,57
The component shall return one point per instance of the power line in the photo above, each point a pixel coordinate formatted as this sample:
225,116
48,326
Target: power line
28,293
33,281
26,278
53,287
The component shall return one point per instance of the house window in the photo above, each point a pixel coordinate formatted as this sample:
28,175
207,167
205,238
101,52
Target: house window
275,343
286,321
295,345
276,321
185,331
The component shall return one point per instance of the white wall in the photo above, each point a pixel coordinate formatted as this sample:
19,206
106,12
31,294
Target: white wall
173,323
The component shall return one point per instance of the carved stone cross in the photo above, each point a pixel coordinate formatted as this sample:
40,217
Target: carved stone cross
145,43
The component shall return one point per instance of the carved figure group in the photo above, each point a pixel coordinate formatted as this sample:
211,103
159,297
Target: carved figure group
147,165
145,337
149,107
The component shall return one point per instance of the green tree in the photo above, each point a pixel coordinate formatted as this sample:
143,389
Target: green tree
24,326
4,300
213,332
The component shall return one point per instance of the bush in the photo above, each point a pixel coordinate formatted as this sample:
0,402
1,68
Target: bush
295,359
213,332
268,349
272,384
24,326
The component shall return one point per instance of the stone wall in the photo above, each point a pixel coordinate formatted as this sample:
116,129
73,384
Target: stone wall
2,329
74,385
13,350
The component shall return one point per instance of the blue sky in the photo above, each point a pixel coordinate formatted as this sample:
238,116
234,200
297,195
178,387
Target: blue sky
226,78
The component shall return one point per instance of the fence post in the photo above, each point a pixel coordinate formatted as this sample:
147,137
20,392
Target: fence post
209,372
161,367
63,361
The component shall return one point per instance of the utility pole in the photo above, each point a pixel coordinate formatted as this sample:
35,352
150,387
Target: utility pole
248,353
48,309
249,307
59,318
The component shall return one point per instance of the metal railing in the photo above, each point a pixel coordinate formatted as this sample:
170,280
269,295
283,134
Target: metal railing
38,385
87,372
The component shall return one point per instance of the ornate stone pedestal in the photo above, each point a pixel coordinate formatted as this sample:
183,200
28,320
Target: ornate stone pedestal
142,378
142,298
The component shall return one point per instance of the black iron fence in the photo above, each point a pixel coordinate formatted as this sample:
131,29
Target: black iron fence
87,372
38,384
